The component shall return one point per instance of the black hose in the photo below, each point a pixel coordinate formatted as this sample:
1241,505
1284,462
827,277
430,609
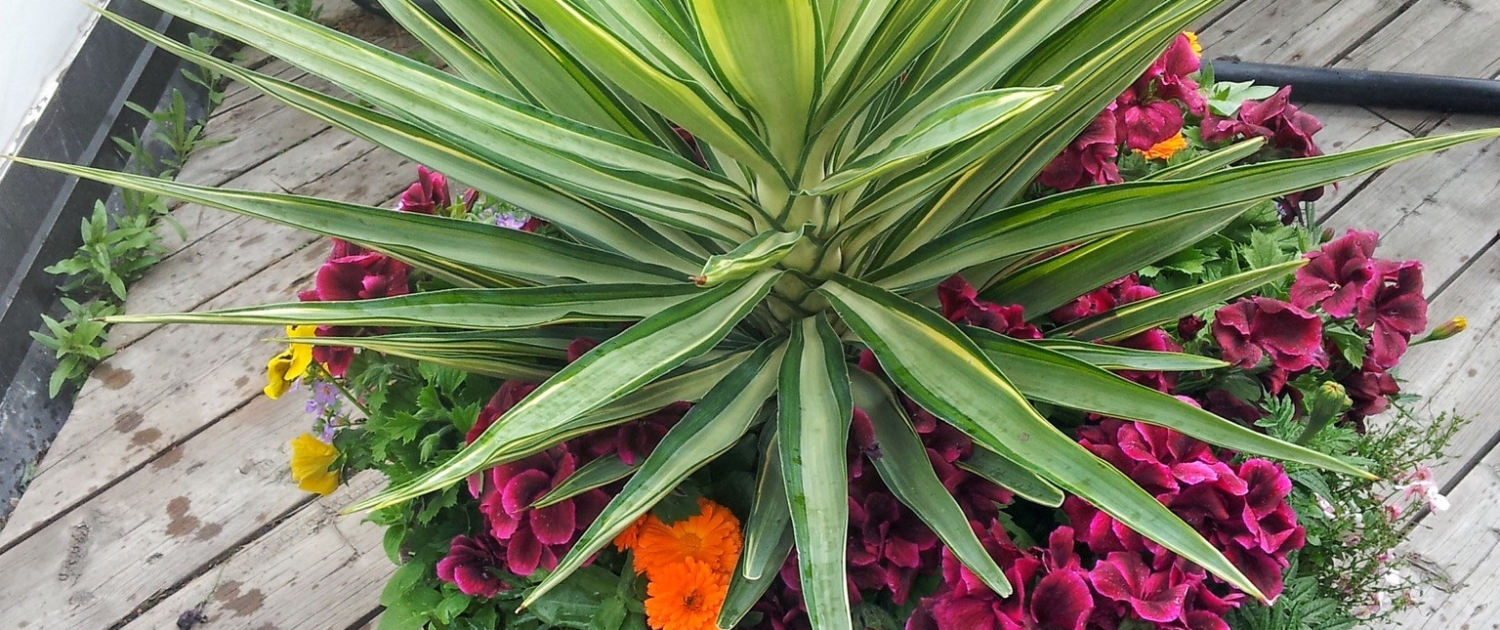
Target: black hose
1369,88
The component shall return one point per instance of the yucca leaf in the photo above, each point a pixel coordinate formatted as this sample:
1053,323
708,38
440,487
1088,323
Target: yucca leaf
765,250
696,105
478,165
472,309
813,433
954,122
712,427
1210,162
944,372
1012,476
744,591
767,54
1051,377
505,361
1129,319
543,73
610,371
1117,358
770,518
904,467
977,60
586,161
1011,165
479,252
595,474
1079,215
1041,287
457,53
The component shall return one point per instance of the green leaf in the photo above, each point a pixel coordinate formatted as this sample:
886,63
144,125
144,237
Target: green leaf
577,601
1054,378
904,467
1149,313
813,433
765,250
745,591
1012,476
1058,280
962,119
1080,215
457,53
766,53
475,252
1205,164
490,353
944,372
712,427
613,369
769,518
596,474
1117,358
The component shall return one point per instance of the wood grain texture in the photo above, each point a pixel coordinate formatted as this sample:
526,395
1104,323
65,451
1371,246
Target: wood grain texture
1304,33
157,526
314,570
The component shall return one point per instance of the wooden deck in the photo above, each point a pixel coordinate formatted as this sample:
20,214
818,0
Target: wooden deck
168,487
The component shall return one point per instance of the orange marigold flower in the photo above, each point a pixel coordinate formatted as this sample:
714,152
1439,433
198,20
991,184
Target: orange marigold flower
685,596
1193,41
1165,149
628,538
711,537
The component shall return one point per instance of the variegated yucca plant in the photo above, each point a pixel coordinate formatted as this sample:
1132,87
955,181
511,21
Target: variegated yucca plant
854,154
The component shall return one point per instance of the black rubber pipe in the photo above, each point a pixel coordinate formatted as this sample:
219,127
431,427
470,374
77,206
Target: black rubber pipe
1370,89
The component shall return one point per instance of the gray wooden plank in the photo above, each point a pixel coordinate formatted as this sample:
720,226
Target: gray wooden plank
1438,209
315,570
1305,32
157,526
1459,551
319,156
239,247
1346,128
1440,37
164,389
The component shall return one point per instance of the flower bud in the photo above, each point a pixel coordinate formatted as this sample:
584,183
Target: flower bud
1448,329
1327,402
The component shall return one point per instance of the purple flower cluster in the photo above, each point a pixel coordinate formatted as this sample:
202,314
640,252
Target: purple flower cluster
1384,297
518,538
1148,113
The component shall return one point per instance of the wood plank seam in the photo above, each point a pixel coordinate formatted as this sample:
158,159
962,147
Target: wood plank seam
213,563
83,500
1360,41
367,619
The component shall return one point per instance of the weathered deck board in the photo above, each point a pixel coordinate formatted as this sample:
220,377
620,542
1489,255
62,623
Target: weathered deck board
240,247
156,527
1461,549
1305,32
1437,209
1346,128
314,570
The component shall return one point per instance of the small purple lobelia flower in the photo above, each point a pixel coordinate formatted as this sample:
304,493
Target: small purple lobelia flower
325,399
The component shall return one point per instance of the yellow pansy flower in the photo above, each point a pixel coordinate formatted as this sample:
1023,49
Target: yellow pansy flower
285,368
311,458
1193,41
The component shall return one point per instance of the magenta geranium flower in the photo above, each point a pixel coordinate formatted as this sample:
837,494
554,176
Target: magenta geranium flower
1394,309
1051,589
1276,119
961,305
1251,328
472,565
1152,596
1371,389
1337,275
888,545
429,194
536,538
1089,160
1143,124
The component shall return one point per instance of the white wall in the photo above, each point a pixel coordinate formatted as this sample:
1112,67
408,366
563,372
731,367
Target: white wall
38,38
